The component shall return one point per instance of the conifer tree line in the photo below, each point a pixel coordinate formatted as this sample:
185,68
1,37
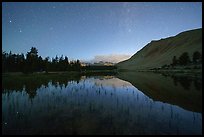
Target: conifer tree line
32,62
184,59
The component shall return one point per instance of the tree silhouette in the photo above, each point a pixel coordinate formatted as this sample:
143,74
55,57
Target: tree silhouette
4,61
66,63
196,57
32,62
46,64
61,64
174,61
184,59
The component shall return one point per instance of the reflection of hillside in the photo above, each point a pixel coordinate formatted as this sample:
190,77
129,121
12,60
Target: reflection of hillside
178,91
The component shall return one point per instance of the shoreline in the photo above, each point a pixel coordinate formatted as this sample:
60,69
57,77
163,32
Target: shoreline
197,73
190,72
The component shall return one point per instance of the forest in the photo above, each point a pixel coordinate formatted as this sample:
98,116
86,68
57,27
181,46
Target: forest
32,62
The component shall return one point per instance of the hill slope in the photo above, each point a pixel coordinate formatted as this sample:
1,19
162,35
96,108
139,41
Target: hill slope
161,52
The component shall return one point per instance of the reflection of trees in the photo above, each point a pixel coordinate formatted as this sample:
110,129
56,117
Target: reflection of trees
32,93
198,84
31,84
35,81
31,89
175,80
186,81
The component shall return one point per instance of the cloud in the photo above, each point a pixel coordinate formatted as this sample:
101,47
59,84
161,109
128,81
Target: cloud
114,58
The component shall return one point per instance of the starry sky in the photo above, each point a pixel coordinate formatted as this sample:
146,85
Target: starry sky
93,31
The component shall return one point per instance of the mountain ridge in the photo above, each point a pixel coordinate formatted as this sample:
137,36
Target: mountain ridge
160,52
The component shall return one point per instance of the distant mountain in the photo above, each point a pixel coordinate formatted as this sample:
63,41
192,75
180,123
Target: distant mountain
100,63
159,53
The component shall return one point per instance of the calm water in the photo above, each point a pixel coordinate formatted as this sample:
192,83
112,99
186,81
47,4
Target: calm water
103,105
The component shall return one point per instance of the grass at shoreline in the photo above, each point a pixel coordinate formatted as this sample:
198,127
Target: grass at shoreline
183,71
193,73
58,76
165,70
64,73
105,72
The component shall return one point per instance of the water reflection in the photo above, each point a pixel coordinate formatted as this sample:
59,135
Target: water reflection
186,82
31,84
93,105
177,90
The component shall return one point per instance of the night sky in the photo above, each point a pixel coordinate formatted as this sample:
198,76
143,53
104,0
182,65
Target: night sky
93,31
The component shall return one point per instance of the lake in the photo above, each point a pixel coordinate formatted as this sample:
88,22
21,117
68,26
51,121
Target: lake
127,103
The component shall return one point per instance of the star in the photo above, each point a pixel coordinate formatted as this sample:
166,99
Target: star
10,21
20,30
